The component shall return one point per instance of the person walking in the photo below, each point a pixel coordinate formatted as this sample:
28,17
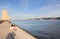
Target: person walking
12,28
11,34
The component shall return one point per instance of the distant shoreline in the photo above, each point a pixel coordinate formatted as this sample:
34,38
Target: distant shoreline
51,18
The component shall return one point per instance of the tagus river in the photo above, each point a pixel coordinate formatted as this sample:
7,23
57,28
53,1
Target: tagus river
41,29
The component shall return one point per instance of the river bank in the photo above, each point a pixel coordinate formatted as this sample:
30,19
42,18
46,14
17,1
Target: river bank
20,34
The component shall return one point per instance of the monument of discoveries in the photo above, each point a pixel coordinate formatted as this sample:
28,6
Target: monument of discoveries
5,15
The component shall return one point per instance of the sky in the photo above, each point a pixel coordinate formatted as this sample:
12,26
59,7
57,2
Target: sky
26,9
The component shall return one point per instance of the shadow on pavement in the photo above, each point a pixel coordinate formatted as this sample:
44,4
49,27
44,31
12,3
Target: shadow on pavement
1,22
10,36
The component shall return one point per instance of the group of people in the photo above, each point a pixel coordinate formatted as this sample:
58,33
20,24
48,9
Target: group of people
12,27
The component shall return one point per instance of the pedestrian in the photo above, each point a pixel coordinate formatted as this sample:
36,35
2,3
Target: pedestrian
13,28
11,34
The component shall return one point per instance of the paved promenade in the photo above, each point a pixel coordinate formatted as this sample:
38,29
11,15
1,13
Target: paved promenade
19,34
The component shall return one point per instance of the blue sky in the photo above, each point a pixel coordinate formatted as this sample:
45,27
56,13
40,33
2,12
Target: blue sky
25,9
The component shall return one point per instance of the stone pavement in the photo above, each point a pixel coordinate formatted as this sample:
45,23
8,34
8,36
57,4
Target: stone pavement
19,34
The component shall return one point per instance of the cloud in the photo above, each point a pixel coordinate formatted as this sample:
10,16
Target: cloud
48,11
52,14
50,7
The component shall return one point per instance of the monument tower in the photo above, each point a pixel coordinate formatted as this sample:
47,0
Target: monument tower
5,15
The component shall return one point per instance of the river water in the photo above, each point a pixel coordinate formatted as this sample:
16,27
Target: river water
41,29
